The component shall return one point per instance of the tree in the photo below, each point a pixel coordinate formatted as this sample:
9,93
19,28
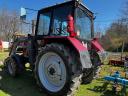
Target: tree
117,32
9,24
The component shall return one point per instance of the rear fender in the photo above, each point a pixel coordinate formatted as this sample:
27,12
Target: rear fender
75,43
99,49
83,52
96,45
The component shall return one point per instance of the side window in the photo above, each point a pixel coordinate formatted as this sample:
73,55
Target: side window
44,23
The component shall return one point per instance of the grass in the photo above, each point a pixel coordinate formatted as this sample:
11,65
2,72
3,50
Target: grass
25,85
99,87
3,55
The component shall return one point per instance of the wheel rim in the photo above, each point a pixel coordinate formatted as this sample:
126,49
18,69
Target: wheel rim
52,72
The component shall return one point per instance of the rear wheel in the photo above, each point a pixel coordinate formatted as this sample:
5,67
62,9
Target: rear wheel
96,62
90,74
54,71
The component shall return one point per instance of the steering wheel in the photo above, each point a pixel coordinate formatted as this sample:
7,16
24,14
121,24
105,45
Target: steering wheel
61,31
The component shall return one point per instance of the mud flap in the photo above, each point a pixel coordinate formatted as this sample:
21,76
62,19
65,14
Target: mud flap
85,59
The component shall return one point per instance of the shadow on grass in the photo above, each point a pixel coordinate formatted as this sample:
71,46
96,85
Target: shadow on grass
104,90
23,85
100,88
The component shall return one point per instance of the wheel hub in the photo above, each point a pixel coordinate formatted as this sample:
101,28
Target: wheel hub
52,71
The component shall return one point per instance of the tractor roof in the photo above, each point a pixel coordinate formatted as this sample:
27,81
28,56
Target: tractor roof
72,2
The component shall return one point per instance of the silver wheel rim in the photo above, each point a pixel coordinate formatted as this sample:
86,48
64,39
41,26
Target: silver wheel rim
52,72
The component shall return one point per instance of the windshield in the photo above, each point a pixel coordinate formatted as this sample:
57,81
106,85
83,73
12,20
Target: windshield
83,24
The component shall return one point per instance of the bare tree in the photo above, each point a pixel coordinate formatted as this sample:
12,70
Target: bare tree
124,10
117,32
8,24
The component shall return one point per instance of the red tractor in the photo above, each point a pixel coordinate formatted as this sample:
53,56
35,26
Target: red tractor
62,53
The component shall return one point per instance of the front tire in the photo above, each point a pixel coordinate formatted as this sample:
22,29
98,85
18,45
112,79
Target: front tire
11,66
54,71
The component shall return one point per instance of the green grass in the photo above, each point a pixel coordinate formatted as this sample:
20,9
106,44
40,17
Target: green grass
25,84
3,55
99,87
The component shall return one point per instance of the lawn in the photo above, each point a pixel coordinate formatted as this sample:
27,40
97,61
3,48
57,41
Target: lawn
25,85
3,55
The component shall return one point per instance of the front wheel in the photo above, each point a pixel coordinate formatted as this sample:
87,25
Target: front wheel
11,66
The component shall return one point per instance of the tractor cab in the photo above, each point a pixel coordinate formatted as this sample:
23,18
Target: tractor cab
67,19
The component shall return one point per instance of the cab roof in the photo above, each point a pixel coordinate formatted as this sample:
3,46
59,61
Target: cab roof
72,2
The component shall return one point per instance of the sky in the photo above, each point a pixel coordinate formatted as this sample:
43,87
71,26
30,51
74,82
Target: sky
106,11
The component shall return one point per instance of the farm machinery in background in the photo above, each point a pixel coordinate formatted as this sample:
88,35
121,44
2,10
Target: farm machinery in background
119,59
62,53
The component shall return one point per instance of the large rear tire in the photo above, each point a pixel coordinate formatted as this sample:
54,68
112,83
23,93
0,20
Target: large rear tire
96,61
90,74
53,71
